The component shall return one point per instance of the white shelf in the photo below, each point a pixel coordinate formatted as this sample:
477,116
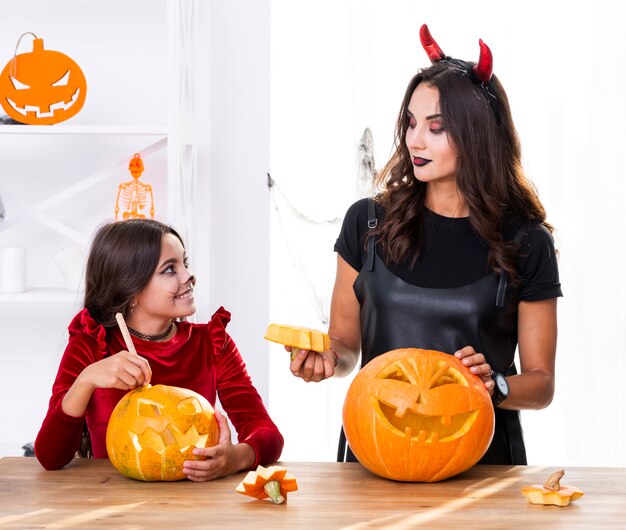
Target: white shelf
84,129
41,294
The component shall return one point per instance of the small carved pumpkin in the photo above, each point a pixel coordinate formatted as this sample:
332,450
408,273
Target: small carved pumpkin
417,416
154,429
273,482
42,87
552,492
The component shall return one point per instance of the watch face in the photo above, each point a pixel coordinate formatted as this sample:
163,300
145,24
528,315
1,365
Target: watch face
502,384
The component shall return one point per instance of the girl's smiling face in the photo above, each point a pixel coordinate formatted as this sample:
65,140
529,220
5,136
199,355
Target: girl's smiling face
169,293
432,152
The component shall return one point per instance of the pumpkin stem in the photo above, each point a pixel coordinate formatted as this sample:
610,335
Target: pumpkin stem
553,483
272,488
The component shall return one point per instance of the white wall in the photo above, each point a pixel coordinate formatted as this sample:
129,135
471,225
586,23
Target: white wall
339,66
233,131
121,47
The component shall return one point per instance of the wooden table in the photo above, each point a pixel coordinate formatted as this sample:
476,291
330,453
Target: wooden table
92,494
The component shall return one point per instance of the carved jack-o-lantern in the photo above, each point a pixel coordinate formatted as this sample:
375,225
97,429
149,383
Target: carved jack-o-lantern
417,415
42,87
154,429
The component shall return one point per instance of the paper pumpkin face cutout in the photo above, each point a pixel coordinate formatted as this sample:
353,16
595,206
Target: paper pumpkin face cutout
42,87
154,429
417,416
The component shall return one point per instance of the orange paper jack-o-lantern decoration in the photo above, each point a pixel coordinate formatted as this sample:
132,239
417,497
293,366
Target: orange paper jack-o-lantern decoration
417,416
154,429
42,87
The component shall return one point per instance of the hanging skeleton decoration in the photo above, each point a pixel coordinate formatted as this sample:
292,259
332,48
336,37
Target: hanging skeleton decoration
366,166
132,196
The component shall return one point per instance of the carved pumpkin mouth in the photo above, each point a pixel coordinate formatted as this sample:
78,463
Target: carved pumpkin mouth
428,429
59,105
172,435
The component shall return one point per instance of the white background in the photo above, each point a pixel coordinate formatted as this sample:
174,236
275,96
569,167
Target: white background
337,66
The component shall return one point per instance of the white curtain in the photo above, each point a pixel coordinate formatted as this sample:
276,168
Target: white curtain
339,66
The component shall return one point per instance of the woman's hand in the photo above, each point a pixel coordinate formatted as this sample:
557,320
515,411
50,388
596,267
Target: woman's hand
478,365
124,371
311,365
220,460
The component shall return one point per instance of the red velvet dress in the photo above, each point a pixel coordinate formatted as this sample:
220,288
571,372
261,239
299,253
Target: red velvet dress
200,357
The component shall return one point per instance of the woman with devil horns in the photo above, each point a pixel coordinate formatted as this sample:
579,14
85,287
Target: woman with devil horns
454,254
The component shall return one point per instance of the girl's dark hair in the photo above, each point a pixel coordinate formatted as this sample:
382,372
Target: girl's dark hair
489,170
122,259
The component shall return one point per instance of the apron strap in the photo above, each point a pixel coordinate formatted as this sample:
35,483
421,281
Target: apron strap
504,276
372,222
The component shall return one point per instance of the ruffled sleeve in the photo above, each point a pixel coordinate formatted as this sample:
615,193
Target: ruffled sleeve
217,329
240,399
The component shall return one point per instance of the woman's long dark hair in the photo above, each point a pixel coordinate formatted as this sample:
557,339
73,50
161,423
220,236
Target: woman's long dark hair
489,170
121,262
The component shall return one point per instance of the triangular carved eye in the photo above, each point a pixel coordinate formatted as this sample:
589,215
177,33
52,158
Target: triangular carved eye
446,375
395,372
63,81
18,84
149,408
189,406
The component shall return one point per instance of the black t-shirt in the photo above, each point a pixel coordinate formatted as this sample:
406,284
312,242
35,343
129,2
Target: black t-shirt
453,255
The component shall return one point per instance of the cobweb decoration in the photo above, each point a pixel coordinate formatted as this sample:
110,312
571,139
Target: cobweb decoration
366,165
300,231
310,241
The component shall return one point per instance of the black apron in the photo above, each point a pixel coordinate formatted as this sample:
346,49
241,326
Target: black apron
396,314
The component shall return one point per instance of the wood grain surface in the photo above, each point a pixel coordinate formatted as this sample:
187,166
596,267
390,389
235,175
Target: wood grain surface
92,494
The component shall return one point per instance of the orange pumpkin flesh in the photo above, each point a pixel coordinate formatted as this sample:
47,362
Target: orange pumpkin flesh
42,87
268,482
154,429
296,337
552,492
417,416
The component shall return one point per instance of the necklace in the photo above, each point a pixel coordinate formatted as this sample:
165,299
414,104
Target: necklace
152,338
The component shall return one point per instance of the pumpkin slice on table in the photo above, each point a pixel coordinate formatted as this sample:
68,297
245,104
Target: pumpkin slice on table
268,482
552,492
297,337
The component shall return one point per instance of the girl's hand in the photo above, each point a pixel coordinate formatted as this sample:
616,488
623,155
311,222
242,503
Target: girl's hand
477,365
220,460
124,371
311,365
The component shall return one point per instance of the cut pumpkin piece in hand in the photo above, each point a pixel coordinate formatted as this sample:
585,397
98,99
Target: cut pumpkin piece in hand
297,337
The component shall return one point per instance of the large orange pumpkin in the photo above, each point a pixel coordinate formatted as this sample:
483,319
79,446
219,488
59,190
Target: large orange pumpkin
418,416
154,429
42,87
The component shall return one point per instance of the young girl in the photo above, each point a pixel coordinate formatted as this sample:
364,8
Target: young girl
454,254
138,267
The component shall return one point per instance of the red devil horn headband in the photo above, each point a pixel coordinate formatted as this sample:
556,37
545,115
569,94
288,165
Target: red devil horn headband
483,69
433,50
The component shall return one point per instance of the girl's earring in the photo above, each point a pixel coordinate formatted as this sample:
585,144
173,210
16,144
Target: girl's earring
132,307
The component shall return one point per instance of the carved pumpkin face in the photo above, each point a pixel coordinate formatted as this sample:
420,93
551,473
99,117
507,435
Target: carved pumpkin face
42,87
418,416
154,429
